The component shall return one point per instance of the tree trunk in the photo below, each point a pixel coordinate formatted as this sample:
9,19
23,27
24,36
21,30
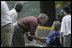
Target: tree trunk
48,7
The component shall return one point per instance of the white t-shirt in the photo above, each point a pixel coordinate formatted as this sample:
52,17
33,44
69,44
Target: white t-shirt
13,15
5,18
66,25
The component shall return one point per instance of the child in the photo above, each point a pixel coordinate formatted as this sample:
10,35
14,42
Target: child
53,38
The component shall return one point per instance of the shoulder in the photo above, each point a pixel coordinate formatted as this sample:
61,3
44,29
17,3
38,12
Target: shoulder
3,4
32,17
13,11
4,7
66,17
51,34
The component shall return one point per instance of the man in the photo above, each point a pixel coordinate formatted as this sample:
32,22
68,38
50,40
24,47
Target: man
27,24
14,12
6,26
66,27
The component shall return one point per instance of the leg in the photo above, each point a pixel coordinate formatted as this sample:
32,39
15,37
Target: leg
6,35
67,41
18,37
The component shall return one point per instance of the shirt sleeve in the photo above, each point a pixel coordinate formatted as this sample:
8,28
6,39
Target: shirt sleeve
13,15
63,25
5,17
4,7
33,27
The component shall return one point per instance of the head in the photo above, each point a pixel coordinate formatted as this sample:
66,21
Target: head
18,7
42,19
67,10
59,17
56,26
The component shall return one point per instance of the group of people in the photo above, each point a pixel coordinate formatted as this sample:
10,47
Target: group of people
12,31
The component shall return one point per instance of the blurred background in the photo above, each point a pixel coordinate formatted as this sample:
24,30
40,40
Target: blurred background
34,8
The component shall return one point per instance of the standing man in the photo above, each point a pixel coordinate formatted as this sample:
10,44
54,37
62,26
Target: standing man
14,12
6,26
27,24
66,27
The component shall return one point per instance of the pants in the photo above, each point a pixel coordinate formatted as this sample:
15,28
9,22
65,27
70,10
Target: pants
67,41
18,37
6,35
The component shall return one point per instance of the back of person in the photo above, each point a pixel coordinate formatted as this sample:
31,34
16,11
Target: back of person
13,15
5,18
67,20
26,22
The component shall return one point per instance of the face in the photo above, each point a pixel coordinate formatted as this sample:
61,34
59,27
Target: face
43,20
18,7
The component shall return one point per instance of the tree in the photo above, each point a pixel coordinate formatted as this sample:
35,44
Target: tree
59,4
48,7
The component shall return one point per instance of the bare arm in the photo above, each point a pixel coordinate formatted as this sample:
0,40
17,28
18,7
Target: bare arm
36,38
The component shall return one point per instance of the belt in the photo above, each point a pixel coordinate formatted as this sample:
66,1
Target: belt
5,25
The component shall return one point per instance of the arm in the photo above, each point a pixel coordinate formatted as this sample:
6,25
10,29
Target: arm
31,37
63,26
36,38
62,29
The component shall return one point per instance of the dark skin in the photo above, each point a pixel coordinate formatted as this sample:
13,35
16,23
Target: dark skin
18,7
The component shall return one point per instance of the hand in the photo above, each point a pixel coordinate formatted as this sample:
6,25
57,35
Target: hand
29,38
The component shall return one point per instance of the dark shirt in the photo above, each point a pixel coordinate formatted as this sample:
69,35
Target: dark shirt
28,24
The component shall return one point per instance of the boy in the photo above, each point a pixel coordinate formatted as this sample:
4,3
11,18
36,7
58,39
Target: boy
53,38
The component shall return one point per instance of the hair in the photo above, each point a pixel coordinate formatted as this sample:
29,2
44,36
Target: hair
18,7
67,9
42,19
41,16
56,25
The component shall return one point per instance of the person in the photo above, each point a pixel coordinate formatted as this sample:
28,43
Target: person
52,39
6,26
25,25
14,12
59,18
66,27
